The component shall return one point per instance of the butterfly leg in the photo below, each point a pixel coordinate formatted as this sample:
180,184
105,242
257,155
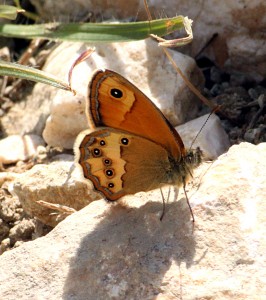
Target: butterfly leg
185,192
163,212
71,170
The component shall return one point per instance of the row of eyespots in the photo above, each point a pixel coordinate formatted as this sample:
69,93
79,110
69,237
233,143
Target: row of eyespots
109,172
96,152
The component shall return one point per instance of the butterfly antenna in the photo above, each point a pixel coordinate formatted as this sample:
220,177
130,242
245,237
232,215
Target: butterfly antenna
185,192
213,111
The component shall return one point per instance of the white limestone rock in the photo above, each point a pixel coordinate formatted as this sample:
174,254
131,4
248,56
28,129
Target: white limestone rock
15,148
212,140
125,252
56,184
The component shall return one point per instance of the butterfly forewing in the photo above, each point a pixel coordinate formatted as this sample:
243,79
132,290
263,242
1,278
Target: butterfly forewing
117,103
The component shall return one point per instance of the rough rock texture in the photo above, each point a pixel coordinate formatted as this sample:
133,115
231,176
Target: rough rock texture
124,251
212,139
153,74
239,26
53,184
30,115
15,226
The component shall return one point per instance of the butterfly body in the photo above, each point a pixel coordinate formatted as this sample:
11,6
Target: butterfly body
137,149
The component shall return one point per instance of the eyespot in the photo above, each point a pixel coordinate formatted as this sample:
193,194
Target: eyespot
109,173
96,152
124,141
102,143
111,185
107,161
116,93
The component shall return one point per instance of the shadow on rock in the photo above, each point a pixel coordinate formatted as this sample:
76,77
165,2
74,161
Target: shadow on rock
129,251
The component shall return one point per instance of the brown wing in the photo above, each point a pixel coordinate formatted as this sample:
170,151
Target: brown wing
117,103
119,163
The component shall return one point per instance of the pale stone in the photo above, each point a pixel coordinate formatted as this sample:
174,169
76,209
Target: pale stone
10,209
124,251
29,116
7,176
5,244
153,74
247,54
15,147
55,184
212,139
23,230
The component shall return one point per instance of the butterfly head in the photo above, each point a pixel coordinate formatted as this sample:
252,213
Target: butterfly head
181,170
193,158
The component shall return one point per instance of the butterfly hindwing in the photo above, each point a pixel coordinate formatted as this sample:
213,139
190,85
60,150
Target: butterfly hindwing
120,163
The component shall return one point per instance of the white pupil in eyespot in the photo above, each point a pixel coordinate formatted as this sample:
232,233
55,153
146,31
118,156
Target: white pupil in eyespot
116,93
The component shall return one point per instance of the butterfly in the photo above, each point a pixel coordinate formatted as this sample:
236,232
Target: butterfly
136,148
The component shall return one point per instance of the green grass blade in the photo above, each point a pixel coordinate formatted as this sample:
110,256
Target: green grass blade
9,12
24,72
94,32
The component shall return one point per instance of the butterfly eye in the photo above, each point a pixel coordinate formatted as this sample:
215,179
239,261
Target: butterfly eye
107,162
116,93
102,142
124,141
111,185
96,152
109,173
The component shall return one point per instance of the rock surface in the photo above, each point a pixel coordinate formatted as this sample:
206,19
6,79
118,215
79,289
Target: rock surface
123,251
15,148
53,184
212,139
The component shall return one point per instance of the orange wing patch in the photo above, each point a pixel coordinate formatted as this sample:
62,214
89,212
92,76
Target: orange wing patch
130,110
